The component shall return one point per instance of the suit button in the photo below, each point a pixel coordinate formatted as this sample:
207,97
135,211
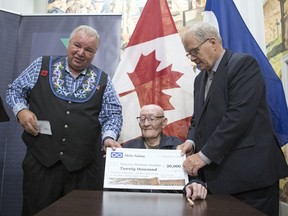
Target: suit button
61,153
65,126
63,140
68,112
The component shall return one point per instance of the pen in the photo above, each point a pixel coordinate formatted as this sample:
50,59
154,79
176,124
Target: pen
191,203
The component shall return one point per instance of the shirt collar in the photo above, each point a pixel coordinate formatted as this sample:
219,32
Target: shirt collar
216,65
67,69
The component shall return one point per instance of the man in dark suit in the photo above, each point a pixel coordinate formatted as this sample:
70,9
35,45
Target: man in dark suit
231,134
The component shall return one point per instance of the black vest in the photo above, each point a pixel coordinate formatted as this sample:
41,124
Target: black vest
76,131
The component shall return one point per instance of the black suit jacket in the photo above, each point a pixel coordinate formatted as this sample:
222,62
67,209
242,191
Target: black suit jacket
233,128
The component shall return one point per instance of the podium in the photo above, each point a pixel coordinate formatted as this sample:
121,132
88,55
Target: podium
3,115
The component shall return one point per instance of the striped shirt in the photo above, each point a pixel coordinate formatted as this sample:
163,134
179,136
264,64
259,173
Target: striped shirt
110,116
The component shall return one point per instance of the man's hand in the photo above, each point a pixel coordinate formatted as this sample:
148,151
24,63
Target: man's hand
193,163
196,191
28,121
109,142
186,148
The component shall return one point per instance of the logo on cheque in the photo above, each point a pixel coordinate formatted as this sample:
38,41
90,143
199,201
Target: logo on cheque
116,154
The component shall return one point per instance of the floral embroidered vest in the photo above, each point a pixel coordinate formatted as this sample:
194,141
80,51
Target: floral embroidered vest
76,131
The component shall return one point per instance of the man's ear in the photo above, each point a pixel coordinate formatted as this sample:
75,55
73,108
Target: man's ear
165,121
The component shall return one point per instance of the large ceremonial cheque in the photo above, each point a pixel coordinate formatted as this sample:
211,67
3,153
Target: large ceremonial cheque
144,169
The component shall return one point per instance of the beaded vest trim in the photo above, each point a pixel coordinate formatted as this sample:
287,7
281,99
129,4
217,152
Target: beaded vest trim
58,83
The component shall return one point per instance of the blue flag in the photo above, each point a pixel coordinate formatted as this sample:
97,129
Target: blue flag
237,37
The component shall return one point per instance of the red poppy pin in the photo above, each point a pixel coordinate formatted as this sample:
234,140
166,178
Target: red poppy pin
44,73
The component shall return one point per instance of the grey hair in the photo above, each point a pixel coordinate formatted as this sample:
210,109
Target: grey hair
203,31
88,30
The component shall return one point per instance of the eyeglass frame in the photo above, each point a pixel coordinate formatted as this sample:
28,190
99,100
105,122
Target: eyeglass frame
194,51
148,118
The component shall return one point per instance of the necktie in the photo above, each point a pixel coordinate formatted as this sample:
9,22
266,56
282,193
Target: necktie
210,75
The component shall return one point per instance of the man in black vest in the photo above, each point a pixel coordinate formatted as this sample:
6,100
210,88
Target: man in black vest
68,109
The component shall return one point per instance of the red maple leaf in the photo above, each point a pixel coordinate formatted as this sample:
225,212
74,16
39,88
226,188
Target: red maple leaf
178,128
149,83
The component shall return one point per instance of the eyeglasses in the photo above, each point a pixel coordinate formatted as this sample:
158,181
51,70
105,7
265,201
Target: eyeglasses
194,52
150,119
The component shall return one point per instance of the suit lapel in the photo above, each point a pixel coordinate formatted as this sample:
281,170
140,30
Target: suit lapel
202,87
199,100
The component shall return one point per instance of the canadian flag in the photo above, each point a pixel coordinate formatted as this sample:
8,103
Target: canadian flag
154,69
